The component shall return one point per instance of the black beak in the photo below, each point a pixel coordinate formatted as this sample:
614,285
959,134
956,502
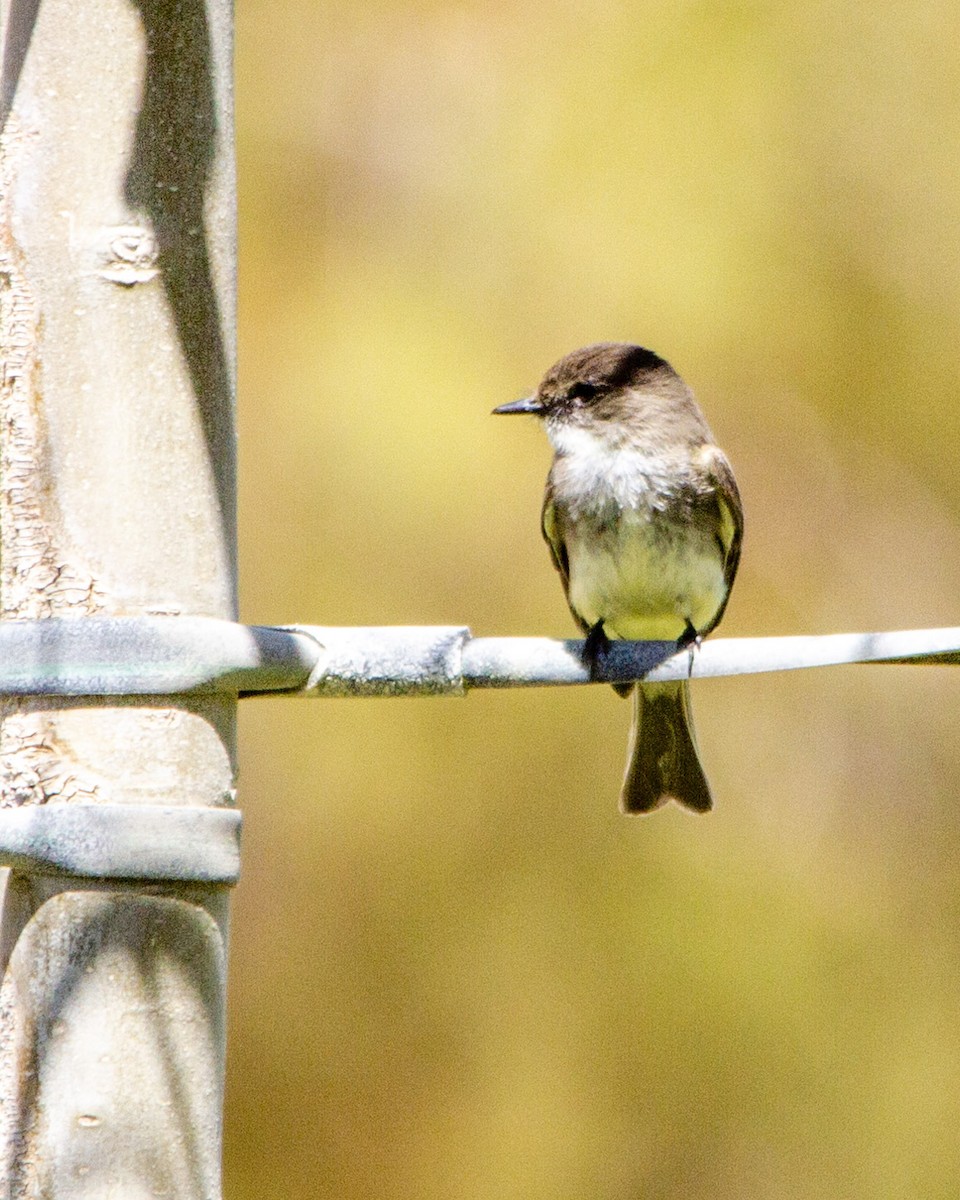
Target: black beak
529,404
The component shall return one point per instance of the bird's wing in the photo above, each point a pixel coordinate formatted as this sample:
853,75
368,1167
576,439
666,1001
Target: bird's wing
729,522
551,525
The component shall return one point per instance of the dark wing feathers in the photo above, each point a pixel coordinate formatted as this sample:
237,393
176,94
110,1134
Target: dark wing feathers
551,527
729,525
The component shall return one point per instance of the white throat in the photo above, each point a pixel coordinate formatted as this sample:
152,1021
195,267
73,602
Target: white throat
597,469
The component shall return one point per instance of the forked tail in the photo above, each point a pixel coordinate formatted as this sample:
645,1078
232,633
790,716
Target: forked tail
662,759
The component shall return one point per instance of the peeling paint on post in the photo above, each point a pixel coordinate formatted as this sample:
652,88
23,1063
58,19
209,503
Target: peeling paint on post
116,499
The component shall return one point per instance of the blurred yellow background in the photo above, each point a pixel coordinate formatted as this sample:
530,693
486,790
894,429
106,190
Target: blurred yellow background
457,972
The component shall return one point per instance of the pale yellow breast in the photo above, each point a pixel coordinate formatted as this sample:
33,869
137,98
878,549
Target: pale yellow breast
641,583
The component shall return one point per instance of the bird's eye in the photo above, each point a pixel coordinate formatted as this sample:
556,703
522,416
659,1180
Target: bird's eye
583,389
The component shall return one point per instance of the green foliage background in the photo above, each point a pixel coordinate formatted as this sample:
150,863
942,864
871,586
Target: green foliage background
456,970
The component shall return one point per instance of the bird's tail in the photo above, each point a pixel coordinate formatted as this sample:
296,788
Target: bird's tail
662,759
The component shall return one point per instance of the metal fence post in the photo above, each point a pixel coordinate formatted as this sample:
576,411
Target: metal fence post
117,268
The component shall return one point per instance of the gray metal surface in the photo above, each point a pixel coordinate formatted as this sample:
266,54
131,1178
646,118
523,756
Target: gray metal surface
386,660
131,656
518,662
123,841
149,656
117,454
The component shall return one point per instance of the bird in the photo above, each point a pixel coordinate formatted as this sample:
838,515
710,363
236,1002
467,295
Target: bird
644,523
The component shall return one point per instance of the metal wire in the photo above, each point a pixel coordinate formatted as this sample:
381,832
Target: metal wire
114,656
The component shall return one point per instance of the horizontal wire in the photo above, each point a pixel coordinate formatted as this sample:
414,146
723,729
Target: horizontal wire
131,656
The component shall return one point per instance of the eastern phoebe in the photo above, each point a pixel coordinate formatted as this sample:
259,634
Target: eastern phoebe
643,520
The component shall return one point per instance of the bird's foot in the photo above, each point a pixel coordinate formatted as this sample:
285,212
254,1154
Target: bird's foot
595,647
691,641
